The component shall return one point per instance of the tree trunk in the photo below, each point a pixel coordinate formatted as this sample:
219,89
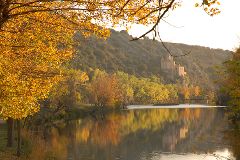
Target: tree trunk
10,134
25,121
19,151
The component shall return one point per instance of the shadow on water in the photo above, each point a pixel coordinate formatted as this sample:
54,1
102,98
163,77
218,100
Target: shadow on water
145,134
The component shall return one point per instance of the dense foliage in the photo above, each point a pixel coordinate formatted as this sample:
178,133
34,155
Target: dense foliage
230,81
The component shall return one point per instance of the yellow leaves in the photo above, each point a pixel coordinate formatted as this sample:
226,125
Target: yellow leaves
176,4
28,72
83,77
209,8
86,16
30,57
36,109
185,91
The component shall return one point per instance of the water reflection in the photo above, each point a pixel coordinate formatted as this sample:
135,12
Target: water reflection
137,134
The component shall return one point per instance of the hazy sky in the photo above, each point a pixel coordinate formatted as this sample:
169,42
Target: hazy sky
220,31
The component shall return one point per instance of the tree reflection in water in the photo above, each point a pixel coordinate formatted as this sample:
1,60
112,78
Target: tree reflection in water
127,134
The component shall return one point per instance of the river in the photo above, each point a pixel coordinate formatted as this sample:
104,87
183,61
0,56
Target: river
169,133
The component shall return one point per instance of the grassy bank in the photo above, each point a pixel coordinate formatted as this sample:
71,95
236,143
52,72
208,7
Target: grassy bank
7,153
74,113
33,147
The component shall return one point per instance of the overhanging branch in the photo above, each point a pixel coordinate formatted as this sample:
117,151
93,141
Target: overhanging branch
158,20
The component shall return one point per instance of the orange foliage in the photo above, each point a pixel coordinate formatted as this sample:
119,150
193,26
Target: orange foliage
210,7
185,92
105,90
194,91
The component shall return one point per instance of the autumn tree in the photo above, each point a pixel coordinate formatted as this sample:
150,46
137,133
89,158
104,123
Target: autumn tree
194,91
230,81
64,94
172,93
88,15
185,92
31,32
29,63
105,90
127,87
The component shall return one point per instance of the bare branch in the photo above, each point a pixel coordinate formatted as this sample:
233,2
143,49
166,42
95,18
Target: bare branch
123,7
171,24
168,49
159,18
141,7
148,14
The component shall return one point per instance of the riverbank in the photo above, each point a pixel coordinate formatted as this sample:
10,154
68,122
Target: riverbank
6,153
46,116
172,106
9,153
32,146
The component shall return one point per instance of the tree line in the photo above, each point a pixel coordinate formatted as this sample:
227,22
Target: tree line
113,89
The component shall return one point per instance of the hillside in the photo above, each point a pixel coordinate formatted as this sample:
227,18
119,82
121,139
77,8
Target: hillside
142,58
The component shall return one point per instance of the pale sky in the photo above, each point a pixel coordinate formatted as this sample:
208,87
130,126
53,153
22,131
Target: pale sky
220,31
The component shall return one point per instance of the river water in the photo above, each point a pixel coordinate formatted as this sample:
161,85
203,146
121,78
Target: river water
183,133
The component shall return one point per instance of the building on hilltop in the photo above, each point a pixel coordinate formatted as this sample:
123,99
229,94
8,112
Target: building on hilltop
180,70
169,64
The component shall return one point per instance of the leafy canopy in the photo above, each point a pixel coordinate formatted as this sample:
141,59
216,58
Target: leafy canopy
105,90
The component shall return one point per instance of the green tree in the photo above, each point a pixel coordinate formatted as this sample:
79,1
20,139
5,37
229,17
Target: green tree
105,90
172,93
142,67
64,94
126,87
130,70
230,82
